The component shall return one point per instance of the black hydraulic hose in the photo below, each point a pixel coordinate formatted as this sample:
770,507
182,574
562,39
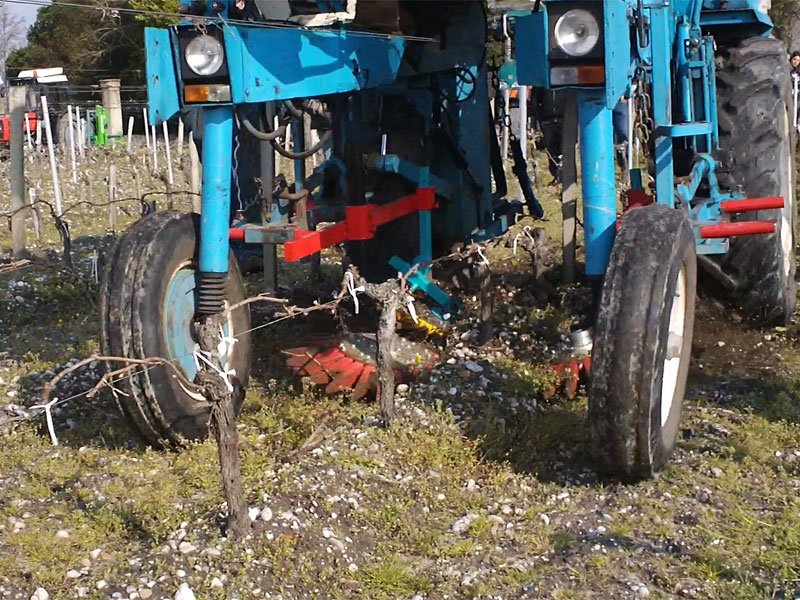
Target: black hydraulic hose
271,136
496,161
298,113
266,136
295,112
520,169
305,153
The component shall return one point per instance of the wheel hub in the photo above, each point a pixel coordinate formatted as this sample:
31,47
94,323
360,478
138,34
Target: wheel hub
672,360
180,308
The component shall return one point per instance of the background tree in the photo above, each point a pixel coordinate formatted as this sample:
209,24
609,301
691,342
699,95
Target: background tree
12,35
89,43
786,14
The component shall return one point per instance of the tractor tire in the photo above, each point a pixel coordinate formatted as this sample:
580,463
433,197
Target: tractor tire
61,131
757,151
642,343
147,305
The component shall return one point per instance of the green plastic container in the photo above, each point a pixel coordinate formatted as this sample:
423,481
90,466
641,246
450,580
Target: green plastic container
101,117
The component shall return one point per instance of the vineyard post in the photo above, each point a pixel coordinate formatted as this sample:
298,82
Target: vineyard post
81,130
146,129
569,187
16,101
112,194
180,138
72,144
51,152
154,137
28,131
130,133
196,174
167,151
37,219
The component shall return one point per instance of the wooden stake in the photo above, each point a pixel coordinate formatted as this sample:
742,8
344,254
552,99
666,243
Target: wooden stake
155,148
146,129
72,145
16,102
170,178
81,131
180,138
130,133
196,174
569,186
37,218
112,196
137,185
28,131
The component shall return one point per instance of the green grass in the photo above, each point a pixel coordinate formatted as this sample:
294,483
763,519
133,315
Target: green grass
410,483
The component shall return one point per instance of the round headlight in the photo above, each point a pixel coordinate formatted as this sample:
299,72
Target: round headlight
577,32
204,55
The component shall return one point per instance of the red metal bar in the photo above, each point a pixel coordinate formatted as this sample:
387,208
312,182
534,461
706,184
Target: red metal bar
724,230
236,234
306,243
638,198
736,206
423,199
360,223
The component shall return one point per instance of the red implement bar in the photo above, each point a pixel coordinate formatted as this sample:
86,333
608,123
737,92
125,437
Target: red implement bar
733,229
360,223
236,234
736,206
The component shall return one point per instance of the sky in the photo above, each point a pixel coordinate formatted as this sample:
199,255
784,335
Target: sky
25,11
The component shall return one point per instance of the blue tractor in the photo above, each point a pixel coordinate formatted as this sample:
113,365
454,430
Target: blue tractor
397,90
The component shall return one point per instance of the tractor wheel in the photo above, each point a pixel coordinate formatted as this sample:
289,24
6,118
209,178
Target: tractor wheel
61,131
147,308
642,345
757,142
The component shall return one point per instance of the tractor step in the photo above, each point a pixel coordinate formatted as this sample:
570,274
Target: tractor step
724,230
737,206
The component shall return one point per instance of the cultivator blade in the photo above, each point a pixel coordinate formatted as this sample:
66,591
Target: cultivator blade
348,362
571,372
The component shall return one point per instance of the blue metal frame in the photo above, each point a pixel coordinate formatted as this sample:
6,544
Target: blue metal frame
597,179
216,196
676,61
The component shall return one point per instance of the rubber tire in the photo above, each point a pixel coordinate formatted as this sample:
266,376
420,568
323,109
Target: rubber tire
61,133
757,150
131,311
630,346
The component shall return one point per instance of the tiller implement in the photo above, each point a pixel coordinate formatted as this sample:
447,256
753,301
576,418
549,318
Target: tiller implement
382,108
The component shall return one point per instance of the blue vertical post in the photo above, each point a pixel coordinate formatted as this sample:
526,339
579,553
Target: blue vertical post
216,198
661,46
299,145
597,180
425,225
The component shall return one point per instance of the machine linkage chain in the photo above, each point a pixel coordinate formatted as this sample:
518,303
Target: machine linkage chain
236,145
643,119
503,118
